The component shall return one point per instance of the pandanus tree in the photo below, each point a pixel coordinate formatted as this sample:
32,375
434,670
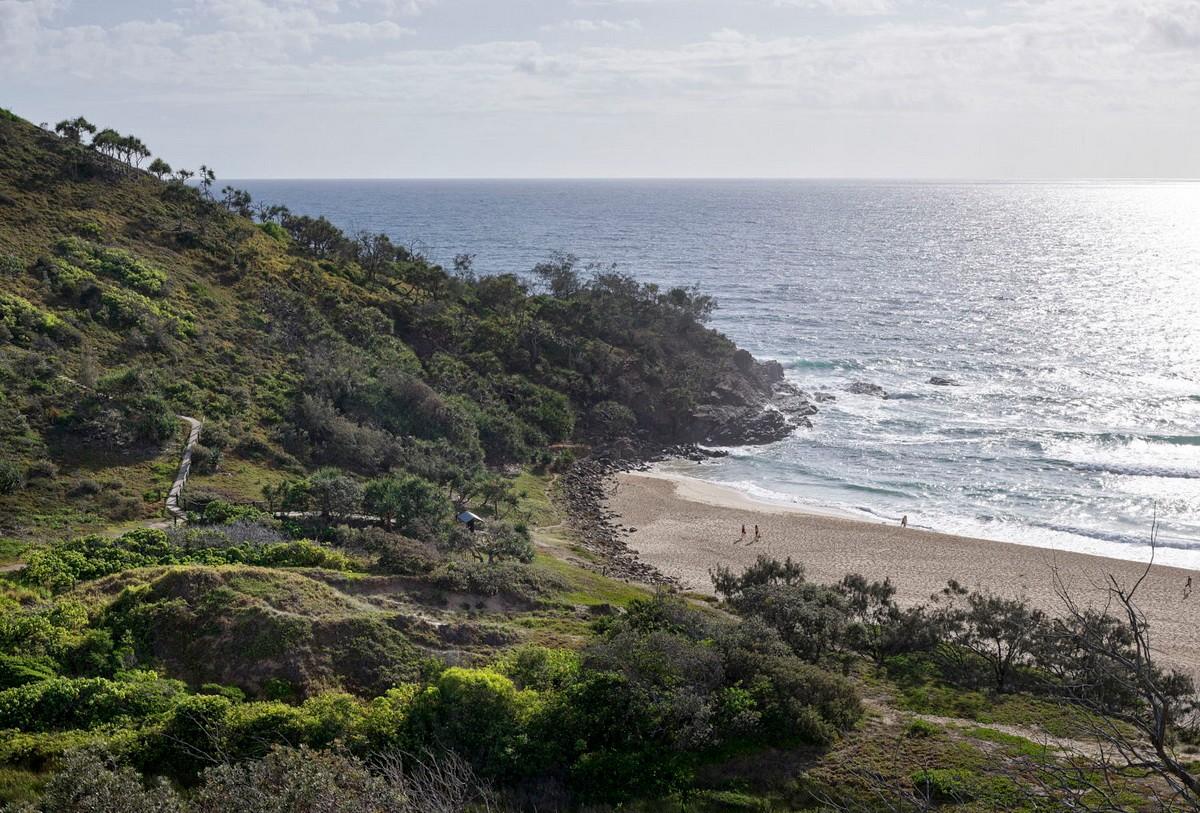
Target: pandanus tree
108,142
237,201
159,168
73,129
208,177
134,151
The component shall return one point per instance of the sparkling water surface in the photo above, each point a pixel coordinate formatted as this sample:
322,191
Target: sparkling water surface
1069,314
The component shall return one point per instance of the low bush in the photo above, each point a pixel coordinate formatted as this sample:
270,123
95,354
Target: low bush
10,477
10,265
509,578
80,703
205,459
59,566
220,512
41,470
84,487
921,729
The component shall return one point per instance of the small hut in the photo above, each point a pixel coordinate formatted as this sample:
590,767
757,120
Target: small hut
472,521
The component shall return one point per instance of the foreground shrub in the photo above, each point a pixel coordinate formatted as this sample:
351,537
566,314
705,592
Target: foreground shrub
63,564
88,781
80,703
10,477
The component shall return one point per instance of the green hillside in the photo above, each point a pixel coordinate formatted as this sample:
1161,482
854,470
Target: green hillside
127,299
323,634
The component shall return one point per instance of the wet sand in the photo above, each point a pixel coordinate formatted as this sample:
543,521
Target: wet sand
686,526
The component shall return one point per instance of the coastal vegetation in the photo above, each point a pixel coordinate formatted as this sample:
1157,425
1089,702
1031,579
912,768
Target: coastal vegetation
324,633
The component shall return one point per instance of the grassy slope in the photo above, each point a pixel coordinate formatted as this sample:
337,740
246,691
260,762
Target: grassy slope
36,213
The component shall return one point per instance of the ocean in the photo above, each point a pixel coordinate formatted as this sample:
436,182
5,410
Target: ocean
1066,313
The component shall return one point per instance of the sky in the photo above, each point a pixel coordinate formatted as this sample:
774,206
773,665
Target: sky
623,88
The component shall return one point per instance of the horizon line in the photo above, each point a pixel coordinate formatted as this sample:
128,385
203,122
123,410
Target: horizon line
808,178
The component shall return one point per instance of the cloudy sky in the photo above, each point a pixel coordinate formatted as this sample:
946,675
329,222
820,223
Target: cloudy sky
598,88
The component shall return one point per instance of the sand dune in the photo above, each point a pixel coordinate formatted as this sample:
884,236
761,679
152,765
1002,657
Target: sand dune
686,526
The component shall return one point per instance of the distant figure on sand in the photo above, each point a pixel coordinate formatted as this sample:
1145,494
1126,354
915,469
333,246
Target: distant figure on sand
904,521
1187,588
743,532
756,533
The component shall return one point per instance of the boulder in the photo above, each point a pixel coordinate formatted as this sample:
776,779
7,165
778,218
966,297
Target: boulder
771,371
866,388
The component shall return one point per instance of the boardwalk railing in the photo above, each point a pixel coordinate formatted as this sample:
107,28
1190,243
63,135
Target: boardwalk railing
185,466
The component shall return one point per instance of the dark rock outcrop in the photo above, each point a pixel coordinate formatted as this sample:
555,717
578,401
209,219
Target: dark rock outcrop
942,381
866,388
737,426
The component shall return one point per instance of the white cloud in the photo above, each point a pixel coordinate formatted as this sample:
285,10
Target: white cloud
853,8
1028,60
588,26
21,24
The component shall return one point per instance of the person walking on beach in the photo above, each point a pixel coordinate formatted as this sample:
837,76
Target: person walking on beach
757,535
904,521
743,532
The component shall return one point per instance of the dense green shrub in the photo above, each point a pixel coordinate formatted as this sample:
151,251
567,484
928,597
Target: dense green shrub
59,566
205,459
67,703
18,670
510,578
406,501
21,320
478,713
10,265
220,512
114,263
10,477
126,409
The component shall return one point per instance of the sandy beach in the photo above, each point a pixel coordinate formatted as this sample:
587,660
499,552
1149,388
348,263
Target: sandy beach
686,526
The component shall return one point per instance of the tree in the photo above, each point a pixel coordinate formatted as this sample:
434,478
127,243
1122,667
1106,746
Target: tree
558,274
159,168
133,151
316,236
404,499
376,253
207,178
236,201
497,491
464,267
810,618
270,213
878,627
502,541
108,142
334,494
1140,740
73,129
1001,631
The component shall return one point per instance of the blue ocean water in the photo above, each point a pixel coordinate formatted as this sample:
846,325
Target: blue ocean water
1069,313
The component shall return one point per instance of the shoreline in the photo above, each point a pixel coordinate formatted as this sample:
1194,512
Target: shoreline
730,495
682,527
